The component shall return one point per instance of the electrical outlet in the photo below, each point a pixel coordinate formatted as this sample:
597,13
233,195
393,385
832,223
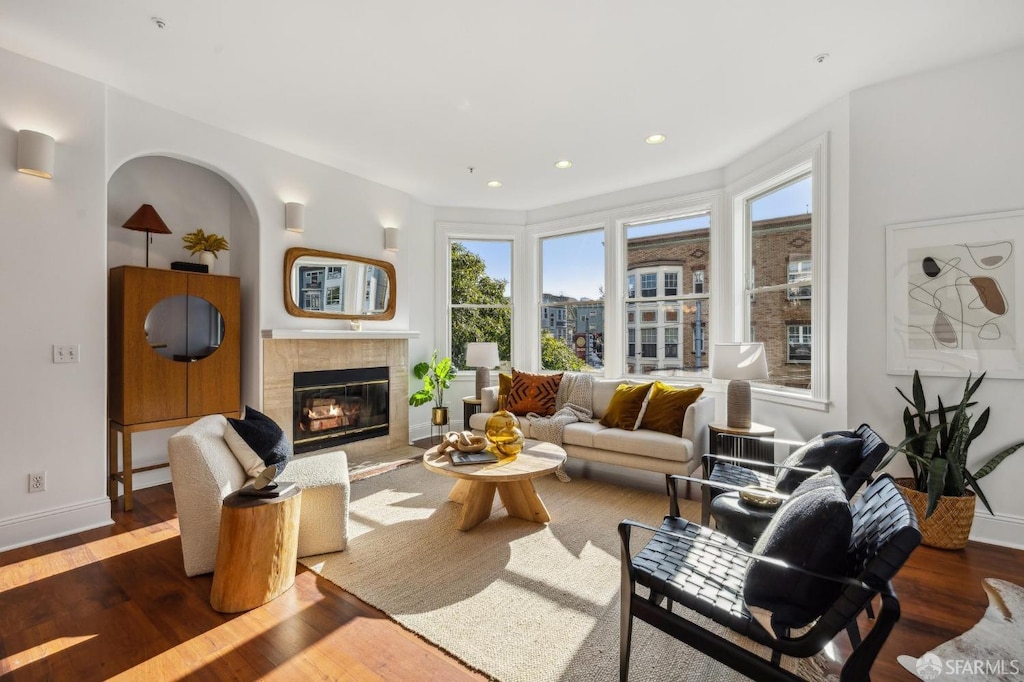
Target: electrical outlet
66,353
37,482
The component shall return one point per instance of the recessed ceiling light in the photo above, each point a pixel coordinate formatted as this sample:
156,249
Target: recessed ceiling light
494,183
564,163
657,138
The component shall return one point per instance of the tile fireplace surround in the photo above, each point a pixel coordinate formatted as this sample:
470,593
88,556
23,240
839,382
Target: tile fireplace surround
285,353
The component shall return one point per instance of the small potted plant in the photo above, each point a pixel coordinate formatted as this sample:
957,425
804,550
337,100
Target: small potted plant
942,489
206,245
437,375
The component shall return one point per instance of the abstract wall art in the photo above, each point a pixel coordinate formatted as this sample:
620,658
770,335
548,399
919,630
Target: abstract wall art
954,294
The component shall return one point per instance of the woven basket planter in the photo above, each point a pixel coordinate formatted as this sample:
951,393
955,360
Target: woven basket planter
949,525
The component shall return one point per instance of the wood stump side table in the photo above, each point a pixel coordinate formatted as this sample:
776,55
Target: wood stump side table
256,550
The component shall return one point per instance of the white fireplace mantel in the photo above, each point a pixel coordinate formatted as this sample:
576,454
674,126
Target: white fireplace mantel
338,334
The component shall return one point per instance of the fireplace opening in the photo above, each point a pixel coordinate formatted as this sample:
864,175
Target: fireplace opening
336,406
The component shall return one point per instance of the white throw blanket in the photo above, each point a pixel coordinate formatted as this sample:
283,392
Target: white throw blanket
573,404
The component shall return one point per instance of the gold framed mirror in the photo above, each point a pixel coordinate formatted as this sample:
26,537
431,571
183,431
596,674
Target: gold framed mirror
338,286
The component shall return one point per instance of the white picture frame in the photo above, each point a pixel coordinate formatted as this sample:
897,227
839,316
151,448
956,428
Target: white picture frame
954,293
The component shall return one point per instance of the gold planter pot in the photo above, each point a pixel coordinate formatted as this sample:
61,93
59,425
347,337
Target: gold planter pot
949,526
439,416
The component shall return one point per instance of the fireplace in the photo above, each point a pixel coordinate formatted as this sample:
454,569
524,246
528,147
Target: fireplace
336,406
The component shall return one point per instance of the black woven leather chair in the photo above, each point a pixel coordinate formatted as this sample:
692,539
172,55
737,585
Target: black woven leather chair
689,565
726,473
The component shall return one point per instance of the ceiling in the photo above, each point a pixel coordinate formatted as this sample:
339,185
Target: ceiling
411,93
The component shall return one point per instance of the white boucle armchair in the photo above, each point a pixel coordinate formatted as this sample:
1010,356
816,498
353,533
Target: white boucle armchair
204,471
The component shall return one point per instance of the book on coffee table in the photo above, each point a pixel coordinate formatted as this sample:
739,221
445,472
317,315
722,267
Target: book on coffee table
483,457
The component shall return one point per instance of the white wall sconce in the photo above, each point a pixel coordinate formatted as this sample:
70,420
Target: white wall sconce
35,154
391,239
294,217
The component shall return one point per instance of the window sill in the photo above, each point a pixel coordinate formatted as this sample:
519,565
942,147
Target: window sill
803,400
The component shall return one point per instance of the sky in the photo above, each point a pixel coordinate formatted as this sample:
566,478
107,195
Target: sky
573,265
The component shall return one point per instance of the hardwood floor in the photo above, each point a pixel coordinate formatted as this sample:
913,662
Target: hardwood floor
115,603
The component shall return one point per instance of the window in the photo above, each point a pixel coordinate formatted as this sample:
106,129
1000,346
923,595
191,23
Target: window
671,342
778,219
631,343
671,283
481,296
572,284
631,286
798,348
799,271
649,342
698,281
631,317
659,250
649,285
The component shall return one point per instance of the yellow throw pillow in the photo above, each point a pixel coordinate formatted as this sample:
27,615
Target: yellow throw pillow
504,384
626,408
537,393
666,408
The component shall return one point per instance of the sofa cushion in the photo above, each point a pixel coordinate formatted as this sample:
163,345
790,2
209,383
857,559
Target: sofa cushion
626,408
666,407
604,389
644,443
504,384
837,450
581,433
537,393
817,509
257,442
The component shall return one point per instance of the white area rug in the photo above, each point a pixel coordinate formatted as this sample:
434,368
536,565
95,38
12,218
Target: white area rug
993,650
516,600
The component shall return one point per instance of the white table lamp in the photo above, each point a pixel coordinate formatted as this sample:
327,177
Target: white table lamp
741,363
483,356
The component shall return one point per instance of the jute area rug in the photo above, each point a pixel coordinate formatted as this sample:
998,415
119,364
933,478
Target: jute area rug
513,599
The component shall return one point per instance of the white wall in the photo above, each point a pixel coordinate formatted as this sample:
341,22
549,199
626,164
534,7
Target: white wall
185,195
943,143
52,291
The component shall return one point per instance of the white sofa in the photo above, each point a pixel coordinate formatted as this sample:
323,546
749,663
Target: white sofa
204,471
641,449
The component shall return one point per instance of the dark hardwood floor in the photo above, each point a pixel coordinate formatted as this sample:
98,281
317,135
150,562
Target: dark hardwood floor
115,602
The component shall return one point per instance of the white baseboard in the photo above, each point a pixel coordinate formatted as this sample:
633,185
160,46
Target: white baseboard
1002,529
418,431
29,529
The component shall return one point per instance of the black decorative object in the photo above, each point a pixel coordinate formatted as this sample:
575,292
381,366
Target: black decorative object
264,436
189,267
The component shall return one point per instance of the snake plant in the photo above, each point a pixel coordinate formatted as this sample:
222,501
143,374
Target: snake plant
937,442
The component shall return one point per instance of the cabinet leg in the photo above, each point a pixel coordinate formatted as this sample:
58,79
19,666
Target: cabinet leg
126,448
112,463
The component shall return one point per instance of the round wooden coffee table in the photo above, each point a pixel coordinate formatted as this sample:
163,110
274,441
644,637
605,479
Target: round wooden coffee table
511,477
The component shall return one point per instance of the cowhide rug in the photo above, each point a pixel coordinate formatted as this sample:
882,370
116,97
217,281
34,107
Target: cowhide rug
991,650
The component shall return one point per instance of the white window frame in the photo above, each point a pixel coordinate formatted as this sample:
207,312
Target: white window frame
698,281
446,233
813,158
664,279
802,275
803,331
